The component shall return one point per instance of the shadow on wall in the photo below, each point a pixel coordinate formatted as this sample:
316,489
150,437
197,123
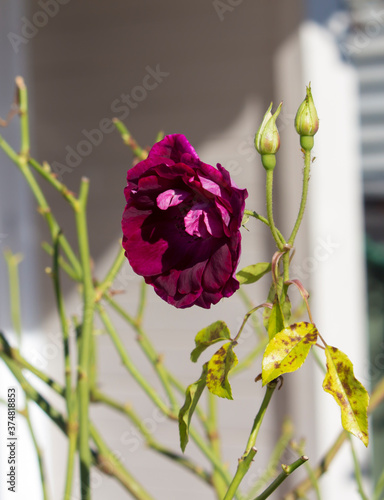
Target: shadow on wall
185,67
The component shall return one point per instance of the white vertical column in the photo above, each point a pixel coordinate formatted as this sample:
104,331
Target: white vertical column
336,237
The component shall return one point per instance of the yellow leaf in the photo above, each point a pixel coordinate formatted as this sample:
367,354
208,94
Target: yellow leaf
348,393
287,350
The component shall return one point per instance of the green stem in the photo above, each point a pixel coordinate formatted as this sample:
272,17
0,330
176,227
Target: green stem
16,357
69,394
250,450
148,389
307,166
249,359
32,394
213,436
377,397
269,196
357,468
23,110
44,209
274,461
85,342
39,454
260,415
111,465
379,487
102,460
210,455
259,217
62,263
107,282
287,470
13,262
142,303
63,322
148,350
45,172
127,410
129,141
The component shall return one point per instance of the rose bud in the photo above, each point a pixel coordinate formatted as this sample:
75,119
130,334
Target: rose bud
181,225
267,139
307,121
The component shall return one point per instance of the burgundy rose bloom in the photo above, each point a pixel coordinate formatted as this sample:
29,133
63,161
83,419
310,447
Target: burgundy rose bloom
181,225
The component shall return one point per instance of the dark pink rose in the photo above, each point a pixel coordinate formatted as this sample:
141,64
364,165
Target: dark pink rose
181,225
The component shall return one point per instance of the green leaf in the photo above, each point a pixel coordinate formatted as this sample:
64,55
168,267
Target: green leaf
209,336
348,393
287,351
271,299
252,273
276,319
218,368
192,396
286,308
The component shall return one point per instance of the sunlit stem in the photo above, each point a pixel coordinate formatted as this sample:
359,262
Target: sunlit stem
85,343
269,196
250,450
287,470
307,166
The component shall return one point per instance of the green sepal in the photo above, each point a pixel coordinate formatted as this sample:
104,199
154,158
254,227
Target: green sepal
208,336
192,396
348,393
218,368
287,350
253,273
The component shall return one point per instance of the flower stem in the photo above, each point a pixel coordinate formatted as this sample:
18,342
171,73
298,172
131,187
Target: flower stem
23,110
269,196
287,470
44,208
13,260
213,436
357,470
70,396
127,410
307,166
138,152
265,221
85,342
250,450
111,275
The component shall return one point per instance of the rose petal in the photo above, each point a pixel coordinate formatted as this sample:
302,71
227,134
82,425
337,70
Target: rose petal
171,198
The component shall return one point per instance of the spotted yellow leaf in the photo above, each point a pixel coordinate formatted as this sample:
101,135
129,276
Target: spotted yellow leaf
218,368
348,393
287,350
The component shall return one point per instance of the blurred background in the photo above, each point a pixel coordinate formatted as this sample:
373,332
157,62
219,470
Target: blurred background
206,69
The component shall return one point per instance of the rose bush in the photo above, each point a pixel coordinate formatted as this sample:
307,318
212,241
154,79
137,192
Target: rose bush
181,225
